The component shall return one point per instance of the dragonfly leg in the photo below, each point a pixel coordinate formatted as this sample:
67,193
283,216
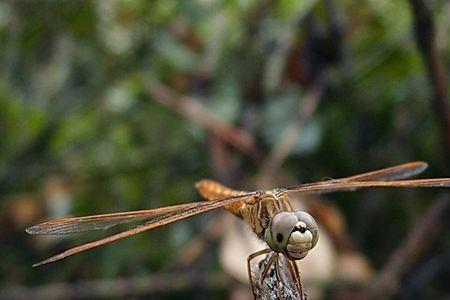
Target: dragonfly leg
249,269
293,268
272,260
277,274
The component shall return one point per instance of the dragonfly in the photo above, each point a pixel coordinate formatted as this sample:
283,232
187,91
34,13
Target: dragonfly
268,213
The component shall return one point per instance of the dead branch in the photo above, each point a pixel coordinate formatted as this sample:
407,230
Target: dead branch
199,245
418,241
425,34
117,288
198,114
290,135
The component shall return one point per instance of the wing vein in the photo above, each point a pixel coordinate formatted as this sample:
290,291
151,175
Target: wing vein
161,220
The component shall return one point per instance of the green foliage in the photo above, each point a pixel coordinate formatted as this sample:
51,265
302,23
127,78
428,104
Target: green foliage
74,104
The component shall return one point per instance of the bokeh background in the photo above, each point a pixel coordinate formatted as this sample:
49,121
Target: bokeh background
115,105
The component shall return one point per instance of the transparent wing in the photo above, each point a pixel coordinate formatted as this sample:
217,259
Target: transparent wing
165,215
105,221
101,222
345,185
392,173
172,215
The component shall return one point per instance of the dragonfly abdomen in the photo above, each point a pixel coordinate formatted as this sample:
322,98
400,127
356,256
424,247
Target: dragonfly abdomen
212,190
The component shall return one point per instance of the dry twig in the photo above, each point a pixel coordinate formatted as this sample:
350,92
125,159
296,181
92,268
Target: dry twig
194,111
117,288
425,33
290,135
419,239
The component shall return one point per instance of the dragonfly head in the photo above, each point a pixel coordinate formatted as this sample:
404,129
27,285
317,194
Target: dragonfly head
292,233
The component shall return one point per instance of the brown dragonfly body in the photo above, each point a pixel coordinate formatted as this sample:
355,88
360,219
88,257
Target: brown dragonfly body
268,213
276,277
256,210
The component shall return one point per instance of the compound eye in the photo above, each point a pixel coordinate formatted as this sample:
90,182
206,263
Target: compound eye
279,230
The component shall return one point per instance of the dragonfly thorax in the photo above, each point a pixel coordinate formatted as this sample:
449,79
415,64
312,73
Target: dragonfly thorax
292,233
259,210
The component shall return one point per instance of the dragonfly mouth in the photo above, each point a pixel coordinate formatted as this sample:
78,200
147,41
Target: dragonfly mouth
296,254
299,243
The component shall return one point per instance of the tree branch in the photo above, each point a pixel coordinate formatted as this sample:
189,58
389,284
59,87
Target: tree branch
117,288
425,34
194,111
419,239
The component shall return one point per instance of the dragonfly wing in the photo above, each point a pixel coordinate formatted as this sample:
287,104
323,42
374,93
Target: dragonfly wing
392,173
101,222
161,220
344,185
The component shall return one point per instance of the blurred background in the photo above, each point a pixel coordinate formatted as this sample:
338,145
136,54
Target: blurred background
118,105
